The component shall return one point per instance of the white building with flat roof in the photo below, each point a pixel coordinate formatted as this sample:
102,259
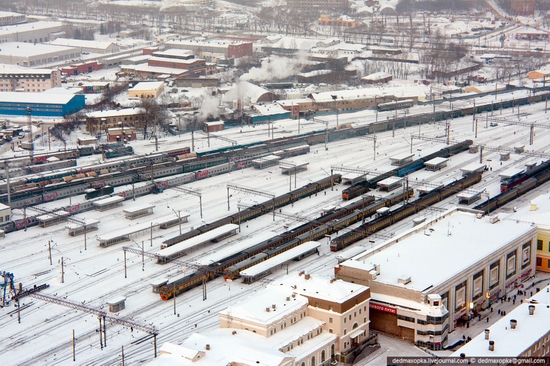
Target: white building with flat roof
10,18
34,32
31,55
439,274
523,332
87,45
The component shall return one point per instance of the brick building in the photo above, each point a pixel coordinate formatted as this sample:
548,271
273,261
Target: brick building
196,67
14,78
81,68
523,7
102,120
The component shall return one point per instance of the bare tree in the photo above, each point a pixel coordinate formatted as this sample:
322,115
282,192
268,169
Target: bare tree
155,116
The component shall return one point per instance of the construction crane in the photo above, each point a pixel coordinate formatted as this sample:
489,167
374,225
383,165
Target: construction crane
7,286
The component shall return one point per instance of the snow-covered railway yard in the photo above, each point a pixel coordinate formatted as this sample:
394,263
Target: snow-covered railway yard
94,276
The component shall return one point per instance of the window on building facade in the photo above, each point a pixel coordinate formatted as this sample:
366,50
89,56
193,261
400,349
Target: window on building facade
345,331
539,262
330,320
539,244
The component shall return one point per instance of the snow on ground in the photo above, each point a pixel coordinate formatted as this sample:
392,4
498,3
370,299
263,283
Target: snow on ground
94,275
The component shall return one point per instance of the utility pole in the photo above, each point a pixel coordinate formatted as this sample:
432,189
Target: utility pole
50,251
174,298
74,347
7,170
31,141
62,272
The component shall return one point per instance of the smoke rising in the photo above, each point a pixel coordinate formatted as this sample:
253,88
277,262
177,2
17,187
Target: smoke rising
275,68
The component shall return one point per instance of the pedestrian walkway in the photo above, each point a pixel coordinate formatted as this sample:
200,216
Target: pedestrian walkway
489,316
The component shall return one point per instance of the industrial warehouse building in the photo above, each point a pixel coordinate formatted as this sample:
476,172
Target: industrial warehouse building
35,32
41,104
29,55
9,18
231,48
440,274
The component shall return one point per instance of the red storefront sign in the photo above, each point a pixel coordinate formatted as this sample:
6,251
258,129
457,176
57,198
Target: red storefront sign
383,308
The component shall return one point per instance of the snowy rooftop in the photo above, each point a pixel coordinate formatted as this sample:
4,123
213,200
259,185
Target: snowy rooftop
24,27
173,52
148,85
8,14
81,43
22,70
176,60
291,102
23,49
156,69
436,161
512,342
279,259
537,212
409,91
430,244
22,97
377,76
228,346
472,167
270,109
115,113
322,288
197,240
272,297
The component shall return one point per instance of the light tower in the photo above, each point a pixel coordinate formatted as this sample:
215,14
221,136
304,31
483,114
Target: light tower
31,141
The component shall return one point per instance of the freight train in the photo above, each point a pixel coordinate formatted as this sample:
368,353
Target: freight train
331,222
362,187
421,203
